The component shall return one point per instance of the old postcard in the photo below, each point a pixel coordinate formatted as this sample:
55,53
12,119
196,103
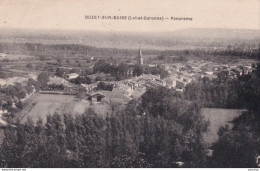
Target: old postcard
129,84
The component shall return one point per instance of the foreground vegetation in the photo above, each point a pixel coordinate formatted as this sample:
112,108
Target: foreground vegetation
161,129
133,138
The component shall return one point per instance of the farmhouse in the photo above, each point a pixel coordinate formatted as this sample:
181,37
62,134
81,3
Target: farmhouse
72,76
96,97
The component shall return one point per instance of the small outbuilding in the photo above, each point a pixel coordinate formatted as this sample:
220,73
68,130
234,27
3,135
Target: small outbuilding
96,97
72,76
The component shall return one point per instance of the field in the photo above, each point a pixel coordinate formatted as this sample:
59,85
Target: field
41,105
17,57
218,118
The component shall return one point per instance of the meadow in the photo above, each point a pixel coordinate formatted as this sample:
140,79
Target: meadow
218,117
42,105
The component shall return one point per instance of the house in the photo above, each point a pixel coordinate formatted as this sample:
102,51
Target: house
225,66
165,67
237,71
3,55
96,97
245,71
131,86
170,83
180,84
209,73
161,82
129,72
72,76
87,87
179,90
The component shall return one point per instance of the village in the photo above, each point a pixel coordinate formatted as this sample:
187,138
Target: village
120,92
105,84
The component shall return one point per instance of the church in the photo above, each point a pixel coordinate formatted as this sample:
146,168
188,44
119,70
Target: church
140,57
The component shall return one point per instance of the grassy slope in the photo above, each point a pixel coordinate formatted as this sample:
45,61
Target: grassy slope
218,118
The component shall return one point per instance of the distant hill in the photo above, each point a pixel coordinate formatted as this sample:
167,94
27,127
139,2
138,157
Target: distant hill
180,39
219,33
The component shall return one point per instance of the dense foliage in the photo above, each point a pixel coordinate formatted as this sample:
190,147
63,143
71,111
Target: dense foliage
221,93
129,139
239,147
104,86
123,71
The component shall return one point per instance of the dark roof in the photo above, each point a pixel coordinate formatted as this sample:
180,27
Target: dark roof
97,94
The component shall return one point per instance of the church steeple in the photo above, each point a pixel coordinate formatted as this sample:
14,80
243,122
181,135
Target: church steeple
140,56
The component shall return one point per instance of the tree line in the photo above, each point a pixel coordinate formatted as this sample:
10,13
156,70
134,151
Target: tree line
123,70
239,146
140,136
221,93
45,51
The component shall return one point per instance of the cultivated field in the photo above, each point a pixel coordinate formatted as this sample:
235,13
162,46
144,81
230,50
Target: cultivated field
217,118
17,56
41,105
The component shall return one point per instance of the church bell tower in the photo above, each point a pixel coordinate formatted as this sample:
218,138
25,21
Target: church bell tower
140,57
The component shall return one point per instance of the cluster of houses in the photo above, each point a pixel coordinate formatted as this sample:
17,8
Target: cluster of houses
130,88
183,74
179,76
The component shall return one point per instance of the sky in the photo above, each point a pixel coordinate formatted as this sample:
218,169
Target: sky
70,14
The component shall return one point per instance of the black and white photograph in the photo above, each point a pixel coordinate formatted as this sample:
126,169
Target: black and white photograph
129,84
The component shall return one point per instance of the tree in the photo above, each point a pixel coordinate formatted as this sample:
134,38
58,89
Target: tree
60,72
138,70
101,66
29,65
104,86
43,79
59,60
239,146
161,57
2,74
235,149
42,58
